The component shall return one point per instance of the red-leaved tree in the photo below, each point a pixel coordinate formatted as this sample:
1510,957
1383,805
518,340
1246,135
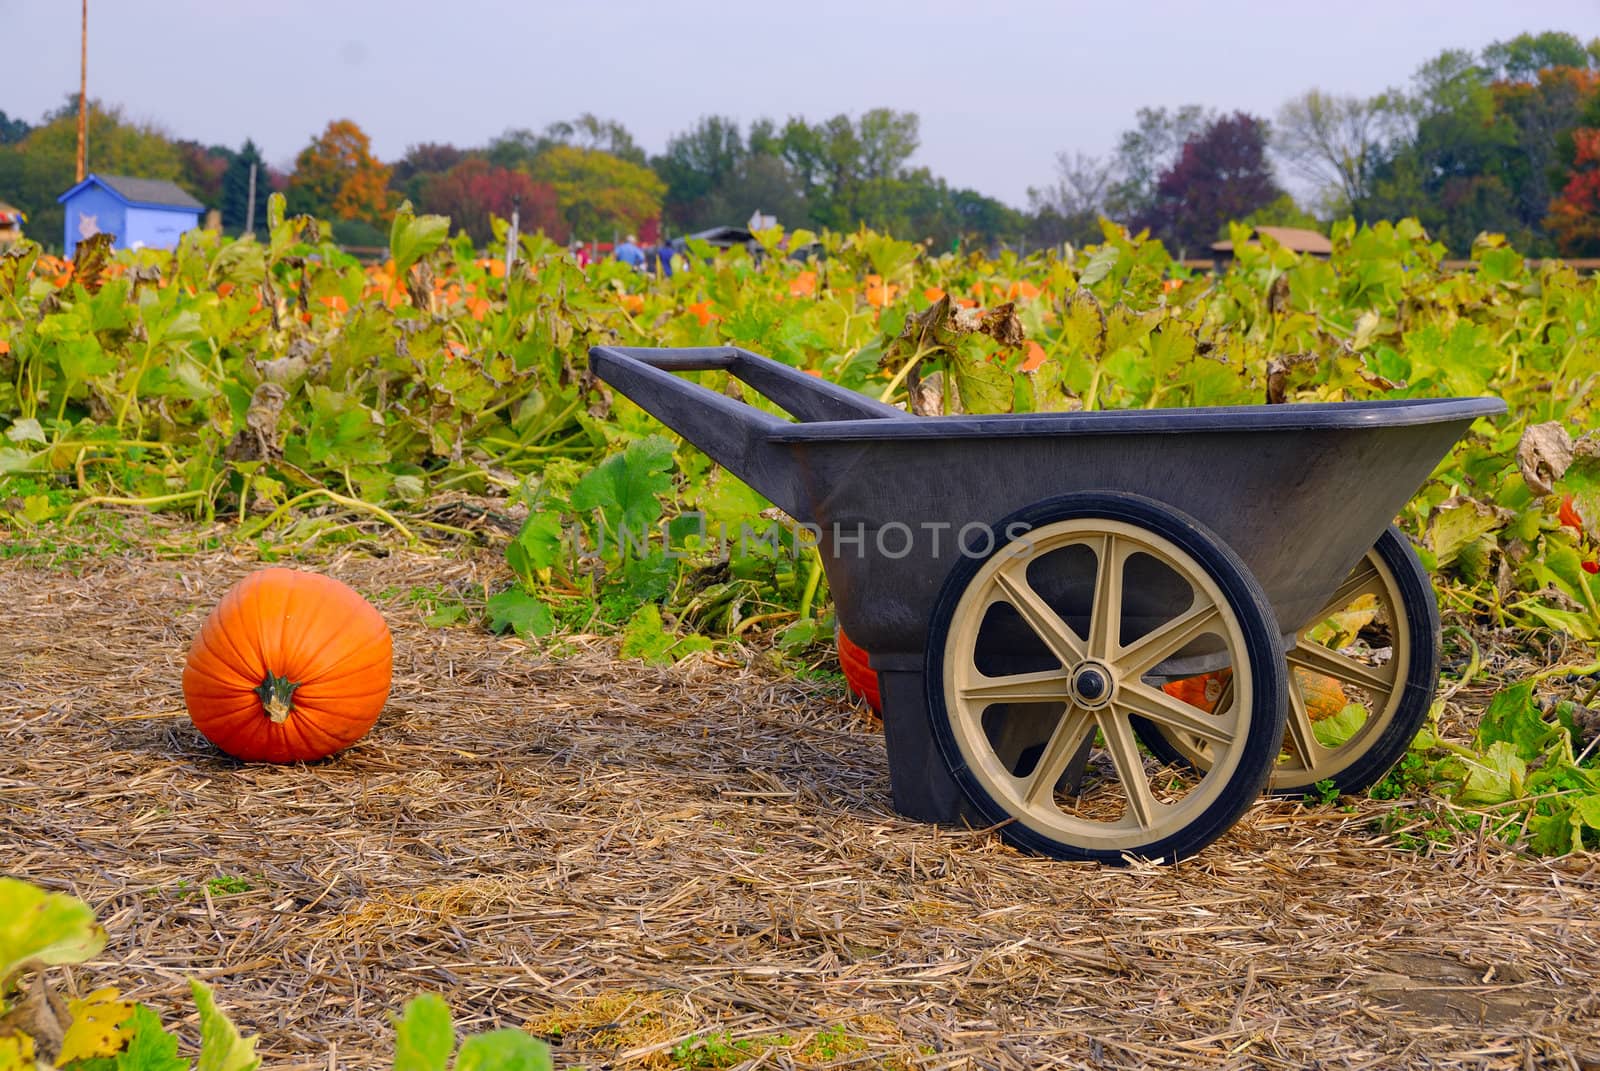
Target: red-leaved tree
474,191
1574,219
1221,174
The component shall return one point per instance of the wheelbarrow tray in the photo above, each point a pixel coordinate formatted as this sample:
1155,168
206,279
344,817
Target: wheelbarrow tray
1300,492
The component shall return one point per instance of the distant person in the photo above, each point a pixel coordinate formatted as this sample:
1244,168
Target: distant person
580,253
661,260
630,253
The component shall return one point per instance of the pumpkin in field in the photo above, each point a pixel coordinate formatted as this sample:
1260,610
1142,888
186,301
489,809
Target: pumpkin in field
858,674
291,666
1324,696
1202,691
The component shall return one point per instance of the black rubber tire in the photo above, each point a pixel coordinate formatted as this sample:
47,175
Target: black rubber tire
1373,761
1263,738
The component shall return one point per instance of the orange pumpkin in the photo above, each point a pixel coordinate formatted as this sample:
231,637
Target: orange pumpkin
291,666
1202,691
1324,696
858,673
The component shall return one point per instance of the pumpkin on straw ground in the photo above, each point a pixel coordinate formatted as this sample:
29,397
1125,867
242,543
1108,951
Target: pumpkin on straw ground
291,666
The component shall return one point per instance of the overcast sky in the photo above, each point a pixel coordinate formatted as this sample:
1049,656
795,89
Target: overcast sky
1001,86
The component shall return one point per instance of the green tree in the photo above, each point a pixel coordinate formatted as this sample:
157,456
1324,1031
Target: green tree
520,148
1336,142
1069,209
599,193
41,167
236,190
1524,56
12,130
761,183
1449,163
1541,114
699,164
834,161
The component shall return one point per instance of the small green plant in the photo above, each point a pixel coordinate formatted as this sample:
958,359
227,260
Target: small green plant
40,930
832,1044
1408,778
710,1051
1324,792
227,885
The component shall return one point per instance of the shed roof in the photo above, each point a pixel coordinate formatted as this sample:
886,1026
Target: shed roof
1297,239
141,191
724,236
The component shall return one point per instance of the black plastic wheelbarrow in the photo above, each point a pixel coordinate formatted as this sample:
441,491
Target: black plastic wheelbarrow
1040,592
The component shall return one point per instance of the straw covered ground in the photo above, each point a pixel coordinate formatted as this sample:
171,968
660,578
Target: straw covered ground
698,866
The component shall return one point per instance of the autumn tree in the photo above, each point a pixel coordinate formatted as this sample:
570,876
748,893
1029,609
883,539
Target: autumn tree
1146,152
201,169
1221,174
1574,219
475,191
421,165
598,193
337,177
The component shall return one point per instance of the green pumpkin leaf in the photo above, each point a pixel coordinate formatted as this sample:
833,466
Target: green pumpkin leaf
1494,776
538,544
521,612
221,1047
152,1048
1514,718
503,1050
424,1036
412,237
47,927
625,487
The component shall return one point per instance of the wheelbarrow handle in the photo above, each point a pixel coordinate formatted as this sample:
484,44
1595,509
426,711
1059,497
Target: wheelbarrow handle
734,434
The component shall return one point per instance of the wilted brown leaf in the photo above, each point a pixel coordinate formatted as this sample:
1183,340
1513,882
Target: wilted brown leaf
1543,455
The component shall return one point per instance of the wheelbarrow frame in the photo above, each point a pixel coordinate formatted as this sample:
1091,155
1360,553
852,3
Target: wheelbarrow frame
1300,493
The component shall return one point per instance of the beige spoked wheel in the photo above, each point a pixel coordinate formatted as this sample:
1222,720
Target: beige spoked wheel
1037,663
1361,681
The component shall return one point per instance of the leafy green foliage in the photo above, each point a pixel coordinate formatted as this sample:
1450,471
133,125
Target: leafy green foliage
43,927
285,387
221,1047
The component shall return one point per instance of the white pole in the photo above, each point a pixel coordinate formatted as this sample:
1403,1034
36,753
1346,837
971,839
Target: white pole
250,204
511,236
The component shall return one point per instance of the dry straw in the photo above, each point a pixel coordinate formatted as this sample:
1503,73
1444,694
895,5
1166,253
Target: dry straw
699,865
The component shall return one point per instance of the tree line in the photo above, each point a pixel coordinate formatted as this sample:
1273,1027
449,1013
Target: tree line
1506,139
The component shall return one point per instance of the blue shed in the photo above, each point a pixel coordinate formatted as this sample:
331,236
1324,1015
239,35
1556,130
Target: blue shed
140,213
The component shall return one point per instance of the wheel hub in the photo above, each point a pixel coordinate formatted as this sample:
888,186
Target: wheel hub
1093,685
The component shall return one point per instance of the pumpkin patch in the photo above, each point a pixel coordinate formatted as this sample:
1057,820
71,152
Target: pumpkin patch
290,667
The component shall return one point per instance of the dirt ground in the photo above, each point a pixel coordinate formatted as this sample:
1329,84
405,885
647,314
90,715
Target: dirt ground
698,866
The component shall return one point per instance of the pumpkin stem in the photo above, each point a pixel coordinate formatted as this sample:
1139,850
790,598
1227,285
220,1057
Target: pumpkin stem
277,695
